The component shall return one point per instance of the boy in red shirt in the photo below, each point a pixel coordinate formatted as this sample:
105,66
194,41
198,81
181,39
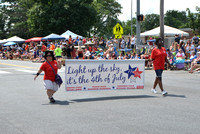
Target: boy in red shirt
159,57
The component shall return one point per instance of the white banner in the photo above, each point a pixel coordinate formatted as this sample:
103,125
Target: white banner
84,75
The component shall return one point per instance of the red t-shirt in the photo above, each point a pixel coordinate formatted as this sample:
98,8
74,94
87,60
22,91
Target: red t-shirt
158,57
43,49
150,43
90,48
48,72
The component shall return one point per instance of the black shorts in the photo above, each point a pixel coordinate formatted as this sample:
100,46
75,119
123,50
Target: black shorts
159,73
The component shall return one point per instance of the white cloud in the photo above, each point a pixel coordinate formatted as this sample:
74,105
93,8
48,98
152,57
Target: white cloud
153,6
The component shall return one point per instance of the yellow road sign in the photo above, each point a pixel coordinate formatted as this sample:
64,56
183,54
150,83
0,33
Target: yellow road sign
118,36
118,29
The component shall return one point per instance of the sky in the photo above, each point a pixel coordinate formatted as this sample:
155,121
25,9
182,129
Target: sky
153,6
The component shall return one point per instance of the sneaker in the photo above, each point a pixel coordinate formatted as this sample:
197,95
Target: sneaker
154,91
52,100
164,92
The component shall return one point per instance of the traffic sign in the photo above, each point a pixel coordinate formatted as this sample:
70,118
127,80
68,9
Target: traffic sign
118,36
118,29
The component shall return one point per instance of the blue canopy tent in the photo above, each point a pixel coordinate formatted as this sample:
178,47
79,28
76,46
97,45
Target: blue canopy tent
73,35
53,37
10,43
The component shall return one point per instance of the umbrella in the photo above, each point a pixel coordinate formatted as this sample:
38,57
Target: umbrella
34,39
10,43
53,37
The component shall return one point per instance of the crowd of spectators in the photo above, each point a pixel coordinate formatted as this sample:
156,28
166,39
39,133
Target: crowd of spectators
186,52
100,49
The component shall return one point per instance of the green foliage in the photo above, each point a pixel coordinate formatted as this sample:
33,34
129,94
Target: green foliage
3,18
107,12
175,18
194,20
151,21
127,27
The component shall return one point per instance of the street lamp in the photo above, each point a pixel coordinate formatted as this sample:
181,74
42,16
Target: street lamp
131,19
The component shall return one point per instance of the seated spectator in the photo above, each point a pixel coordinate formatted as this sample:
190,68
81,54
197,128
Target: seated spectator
169,56
99,57
180,55
24,55
113,56
137,57
133,55
188,62
195,64
87,54
126,57
16,54
120,57
80,52
101,52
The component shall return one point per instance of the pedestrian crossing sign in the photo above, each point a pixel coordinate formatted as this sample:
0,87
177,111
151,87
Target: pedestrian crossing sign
118,36
118,29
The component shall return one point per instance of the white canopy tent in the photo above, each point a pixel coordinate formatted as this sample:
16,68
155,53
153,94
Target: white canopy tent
3,41
68,33
16,39
168,31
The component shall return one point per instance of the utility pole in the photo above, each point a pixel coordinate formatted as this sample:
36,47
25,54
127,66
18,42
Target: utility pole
138,24
131,19
162,19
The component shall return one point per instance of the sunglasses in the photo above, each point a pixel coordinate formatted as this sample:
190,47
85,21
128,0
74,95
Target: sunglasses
49,56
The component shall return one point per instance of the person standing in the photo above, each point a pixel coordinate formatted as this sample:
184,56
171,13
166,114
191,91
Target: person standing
49,77
196,40
159,57
43,48
52,47
58,52
177,38
133,40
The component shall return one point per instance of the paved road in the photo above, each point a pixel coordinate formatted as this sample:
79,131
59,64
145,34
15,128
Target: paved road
25,109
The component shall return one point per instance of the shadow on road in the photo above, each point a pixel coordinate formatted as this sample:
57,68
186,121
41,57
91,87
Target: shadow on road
58,102
113,98
174,95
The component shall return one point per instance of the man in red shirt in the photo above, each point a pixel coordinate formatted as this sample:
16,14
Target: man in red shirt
159,57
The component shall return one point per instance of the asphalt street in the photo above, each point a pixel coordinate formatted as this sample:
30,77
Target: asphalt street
25,108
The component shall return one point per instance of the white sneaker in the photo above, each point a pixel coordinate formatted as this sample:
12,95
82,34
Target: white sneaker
154,91
164,92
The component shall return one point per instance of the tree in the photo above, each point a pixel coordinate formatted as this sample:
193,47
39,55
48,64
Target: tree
194,20
176,18
151,21
107,12
57,16
127,27
81,16
3,18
